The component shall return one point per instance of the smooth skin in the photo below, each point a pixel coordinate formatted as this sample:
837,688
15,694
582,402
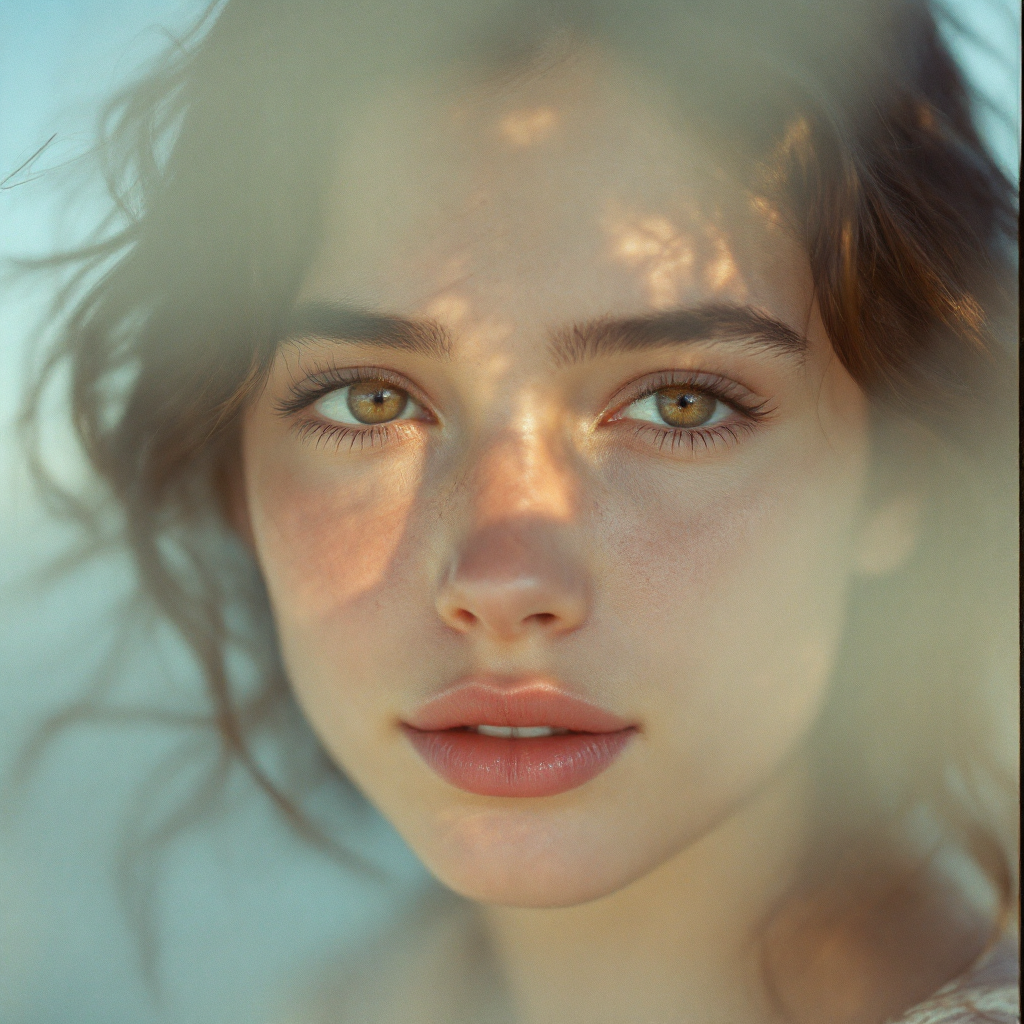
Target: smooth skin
529,511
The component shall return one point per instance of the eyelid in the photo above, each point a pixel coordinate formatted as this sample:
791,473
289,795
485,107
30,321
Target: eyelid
731,392
321,381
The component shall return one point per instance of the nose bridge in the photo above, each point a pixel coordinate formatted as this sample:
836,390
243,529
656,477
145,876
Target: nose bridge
523,470
515,567
512,554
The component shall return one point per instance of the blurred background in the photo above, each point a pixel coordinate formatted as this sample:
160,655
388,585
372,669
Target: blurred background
243,909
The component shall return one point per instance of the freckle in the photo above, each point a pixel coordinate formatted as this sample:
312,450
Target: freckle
523,128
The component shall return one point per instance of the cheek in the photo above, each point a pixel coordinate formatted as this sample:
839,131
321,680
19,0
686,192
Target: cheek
742,536
324,547
329,545
728,602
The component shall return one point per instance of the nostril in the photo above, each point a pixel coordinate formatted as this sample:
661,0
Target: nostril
509,584
464,617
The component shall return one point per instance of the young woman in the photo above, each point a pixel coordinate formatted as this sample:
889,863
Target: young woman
600,418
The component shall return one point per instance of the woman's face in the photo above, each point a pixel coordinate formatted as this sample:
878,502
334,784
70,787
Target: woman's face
559,444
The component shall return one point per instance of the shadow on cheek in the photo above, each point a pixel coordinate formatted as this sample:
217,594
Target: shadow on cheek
325,552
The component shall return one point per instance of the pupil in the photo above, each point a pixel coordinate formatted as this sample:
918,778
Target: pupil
680,407
372,403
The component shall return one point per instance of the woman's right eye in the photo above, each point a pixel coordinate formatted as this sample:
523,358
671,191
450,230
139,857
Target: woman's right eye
367,403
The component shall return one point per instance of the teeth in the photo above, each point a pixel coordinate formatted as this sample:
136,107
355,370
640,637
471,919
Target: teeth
519,732
496,730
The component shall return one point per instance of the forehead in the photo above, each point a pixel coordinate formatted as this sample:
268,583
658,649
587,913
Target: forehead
574,179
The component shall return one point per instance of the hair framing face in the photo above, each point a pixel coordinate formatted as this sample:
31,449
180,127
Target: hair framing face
904,217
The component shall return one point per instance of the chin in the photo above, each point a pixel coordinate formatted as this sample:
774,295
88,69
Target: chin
526,859
508,882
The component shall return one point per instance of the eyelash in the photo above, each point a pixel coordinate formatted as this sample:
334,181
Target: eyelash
733,395
323,381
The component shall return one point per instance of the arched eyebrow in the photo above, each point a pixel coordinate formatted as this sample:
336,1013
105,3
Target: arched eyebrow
710,322
715,322
332,321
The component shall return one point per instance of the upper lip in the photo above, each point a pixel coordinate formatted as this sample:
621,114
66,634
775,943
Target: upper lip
512,701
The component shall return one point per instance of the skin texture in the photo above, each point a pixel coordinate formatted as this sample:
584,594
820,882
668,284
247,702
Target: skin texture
523,520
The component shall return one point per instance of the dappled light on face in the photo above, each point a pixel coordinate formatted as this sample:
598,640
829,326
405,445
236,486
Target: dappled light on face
721,270
521,472
484,346
797,136
529,126
793,148
672,260
547,483
481,341
450,309
663,256
767,211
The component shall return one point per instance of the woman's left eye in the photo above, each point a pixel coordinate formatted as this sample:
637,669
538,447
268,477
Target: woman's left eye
678,406
367,403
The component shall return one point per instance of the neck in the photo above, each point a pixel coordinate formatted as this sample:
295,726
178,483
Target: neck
679,944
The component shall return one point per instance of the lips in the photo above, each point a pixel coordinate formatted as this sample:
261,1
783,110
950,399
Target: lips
584,741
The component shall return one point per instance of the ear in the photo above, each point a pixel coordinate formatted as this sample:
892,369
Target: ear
888,535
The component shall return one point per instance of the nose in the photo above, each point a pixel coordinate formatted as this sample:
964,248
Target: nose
512,579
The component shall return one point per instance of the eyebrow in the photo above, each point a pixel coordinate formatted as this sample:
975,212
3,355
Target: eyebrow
746,325
332,321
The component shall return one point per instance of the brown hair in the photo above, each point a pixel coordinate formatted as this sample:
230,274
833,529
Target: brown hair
854,122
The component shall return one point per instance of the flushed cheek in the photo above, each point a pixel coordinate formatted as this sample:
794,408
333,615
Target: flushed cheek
327,540
334,553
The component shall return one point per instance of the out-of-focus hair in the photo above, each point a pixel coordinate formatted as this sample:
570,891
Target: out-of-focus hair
852,122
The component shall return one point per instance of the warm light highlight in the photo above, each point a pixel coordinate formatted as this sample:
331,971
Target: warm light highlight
528,127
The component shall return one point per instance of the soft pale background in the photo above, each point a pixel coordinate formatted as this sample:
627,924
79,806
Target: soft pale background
244,909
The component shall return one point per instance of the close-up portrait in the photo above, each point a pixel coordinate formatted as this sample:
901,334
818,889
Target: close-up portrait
509,512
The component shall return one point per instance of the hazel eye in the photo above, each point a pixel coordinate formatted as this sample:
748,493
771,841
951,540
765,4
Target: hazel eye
678,406
368,402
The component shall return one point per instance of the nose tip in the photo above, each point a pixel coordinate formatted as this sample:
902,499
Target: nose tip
510,582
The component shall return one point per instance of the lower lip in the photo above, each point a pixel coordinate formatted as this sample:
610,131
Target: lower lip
496,766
